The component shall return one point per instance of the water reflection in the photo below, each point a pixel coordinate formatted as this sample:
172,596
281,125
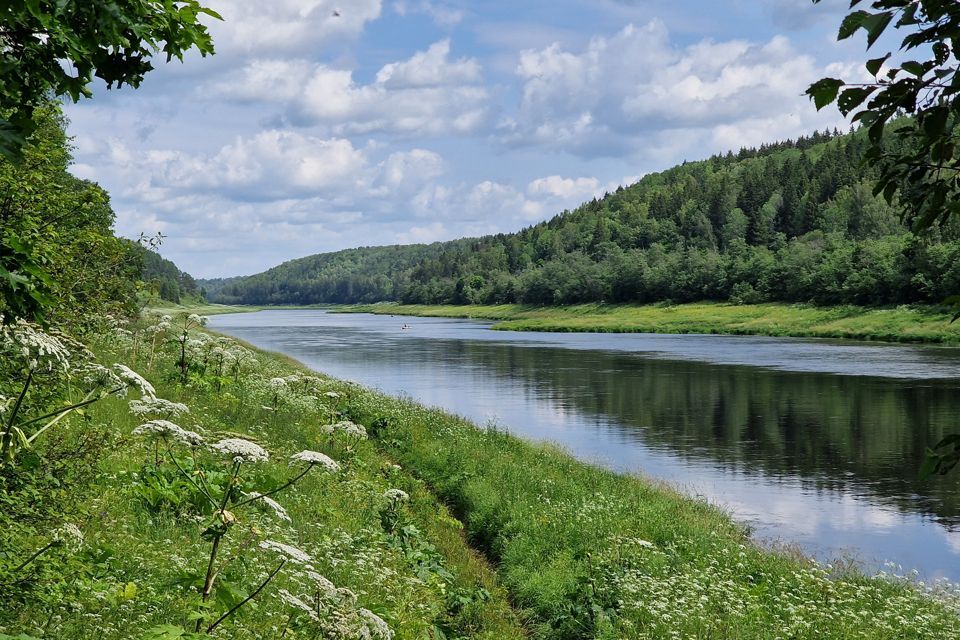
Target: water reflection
763,426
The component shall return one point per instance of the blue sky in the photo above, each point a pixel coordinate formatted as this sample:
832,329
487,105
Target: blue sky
418,120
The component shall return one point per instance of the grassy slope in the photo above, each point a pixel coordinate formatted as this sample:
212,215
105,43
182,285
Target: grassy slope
582,552
138,558
900,324
594,554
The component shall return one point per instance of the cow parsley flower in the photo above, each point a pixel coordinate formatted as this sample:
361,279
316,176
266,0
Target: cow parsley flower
277,384
322,584
158,406
241,450
165,429
133,379
396,495
298,556
374,626
38,348
276,507
316,458
347,428
98,375
333,394
69,535
197,319
297,603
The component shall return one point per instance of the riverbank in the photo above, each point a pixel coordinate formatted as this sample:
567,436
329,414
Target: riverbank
900,324
362,537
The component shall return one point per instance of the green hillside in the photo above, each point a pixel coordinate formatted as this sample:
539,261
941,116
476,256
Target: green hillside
794,221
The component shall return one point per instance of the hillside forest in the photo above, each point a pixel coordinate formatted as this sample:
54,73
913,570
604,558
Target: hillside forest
794,221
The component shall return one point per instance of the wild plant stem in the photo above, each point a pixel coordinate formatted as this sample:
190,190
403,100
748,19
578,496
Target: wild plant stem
190,479
248,598
7,439
208,581
36,554
278,489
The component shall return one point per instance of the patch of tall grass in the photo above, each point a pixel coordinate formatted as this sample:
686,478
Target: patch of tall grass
899,324
593,554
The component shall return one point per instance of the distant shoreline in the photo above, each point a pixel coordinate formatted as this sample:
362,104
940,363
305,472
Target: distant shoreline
914,324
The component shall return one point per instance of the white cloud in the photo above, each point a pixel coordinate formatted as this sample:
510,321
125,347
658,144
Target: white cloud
288,25
430,68
443,15
623,91
567,188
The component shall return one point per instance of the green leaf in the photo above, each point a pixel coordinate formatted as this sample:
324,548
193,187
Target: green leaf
824,92
851,23
873,66
876,25
913,67
853,97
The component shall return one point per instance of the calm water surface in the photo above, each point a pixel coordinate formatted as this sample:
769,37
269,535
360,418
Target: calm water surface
811,442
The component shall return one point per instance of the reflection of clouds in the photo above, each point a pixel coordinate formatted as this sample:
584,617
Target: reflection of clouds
441,364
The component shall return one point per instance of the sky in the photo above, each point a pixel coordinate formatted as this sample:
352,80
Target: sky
322,125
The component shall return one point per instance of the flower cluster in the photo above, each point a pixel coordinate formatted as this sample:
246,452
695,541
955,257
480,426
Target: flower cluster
37,348
131,378
278,510
241,450
396,496
158,407
166,430
315,458
347,428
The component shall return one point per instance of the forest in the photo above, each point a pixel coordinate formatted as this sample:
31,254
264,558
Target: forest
795,221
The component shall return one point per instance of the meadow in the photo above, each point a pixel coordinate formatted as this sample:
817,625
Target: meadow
895,324
236,494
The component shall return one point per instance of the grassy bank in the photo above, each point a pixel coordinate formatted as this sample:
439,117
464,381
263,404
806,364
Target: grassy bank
593,554
579,552
900,324
147,529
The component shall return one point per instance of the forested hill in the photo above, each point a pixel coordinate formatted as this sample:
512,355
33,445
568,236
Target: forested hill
792,221
163,278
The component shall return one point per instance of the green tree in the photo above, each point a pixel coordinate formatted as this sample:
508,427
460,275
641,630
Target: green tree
56,47
922,160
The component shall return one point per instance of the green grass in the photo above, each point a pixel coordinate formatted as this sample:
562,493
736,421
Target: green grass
899,324
510,539
140,566
594,554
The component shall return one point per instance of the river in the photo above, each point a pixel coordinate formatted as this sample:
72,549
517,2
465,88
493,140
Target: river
813,443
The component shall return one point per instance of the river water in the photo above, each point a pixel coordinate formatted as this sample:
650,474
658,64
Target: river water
815,443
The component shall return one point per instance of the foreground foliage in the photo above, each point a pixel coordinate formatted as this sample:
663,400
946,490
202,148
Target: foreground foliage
233,499
594,554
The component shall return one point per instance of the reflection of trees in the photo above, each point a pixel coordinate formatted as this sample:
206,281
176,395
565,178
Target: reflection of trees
862,434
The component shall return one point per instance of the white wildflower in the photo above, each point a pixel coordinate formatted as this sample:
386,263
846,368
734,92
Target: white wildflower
276,507
297,603
277,384
242,450
133,379
375,627
69,535
396,495
96,374
347,428
158,406
164,429
38,348
197,319
298,556
333,394
317,458
322,584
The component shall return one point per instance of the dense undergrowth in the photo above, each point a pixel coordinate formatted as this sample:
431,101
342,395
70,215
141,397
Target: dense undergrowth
107,526
593,554
897,324
361,547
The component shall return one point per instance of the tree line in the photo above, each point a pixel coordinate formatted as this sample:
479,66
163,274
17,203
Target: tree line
793,221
